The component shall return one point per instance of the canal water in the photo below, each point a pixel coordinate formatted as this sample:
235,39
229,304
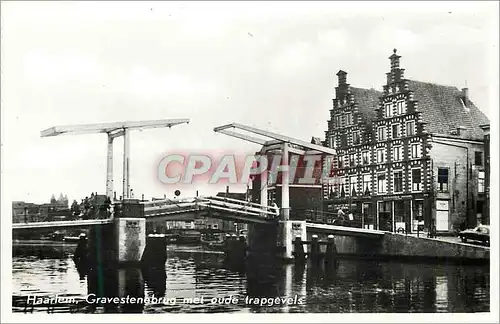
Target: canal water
348,286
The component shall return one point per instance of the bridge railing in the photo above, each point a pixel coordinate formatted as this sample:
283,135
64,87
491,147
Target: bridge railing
161,209
269,209
167,201
322,217
240,207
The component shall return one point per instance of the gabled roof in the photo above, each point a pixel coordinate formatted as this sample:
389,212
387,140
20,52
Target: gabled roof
444,109
367,100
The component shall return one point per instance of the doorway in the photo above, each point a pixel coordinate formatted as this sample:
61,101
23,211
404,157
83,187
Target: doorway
442,215
385,215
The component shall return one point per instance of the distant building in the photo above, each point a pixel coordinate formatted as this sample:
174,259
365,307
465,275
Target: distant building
24,212
30,212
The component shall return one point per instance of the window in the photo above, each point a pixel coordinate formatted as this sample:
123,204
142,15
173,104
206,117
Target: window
478,158
388,109
332,141
355,137
352,160
398,181
480,182
416,180
365,157
341,161
348,119
380,155
401,107
381,133
443,179
381,183
337,121
415,151
396,132
353,185
342,186
367,184
397,153
343,140
410,128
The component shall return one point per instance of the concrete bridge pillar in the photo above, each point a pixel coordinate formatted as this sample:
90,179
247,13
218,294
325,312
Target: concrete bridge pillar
289,231
130,231
122,241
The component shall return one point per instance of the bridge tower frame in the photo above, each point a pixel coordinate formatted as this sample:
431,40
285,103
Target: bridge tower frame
114,130
286,145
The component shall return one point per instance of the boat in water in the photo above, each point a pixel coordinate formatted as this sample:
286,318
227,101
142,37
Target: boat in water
213,241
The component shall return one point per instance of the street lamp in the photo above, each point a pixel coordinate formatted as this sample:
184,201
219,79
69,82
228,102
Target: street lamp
236,227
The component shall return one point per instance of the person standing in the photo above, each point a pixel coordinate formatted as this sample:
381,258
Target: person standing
277,209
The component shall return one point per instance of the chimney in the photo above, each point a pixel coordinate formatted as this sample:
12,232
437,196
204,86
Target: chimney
461,130
465,93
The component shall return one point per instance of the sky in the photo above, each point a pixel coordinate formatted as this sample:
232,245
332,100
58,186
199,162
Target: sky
270,65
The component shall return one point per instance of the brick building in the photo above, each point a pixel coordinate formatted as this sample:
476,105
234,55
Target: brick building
409,156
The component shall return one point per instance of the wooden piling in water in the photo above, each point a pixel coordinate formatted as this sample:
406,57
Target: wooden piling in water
155,252
298,248
331,250
315,248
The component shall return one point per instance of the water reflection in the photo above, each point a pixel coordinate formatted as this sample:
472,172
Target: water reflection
345,286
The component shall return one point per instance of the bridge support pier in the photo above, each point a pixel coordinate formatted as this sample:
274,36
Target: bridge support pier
130,238
121,242
289,231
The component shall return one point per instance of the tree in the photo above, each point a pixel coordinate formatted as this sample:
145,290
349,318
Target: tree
53,199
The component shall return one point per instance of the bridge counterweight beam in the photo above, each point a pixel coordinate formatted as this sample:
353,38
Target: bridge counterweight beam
109,168
126,163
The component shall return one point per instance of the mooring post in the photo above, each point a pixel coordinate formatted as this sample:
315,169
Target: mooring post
315,248
298,248
242,248
331,250
233,245
155,253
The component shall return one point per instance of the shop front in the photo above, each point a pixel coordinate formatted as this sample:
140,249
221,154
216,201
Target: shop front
400,213
359,208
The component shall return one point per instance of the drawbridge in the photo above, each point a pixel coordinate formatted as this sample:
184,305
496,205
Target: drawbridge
210,206
187,209
182,209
